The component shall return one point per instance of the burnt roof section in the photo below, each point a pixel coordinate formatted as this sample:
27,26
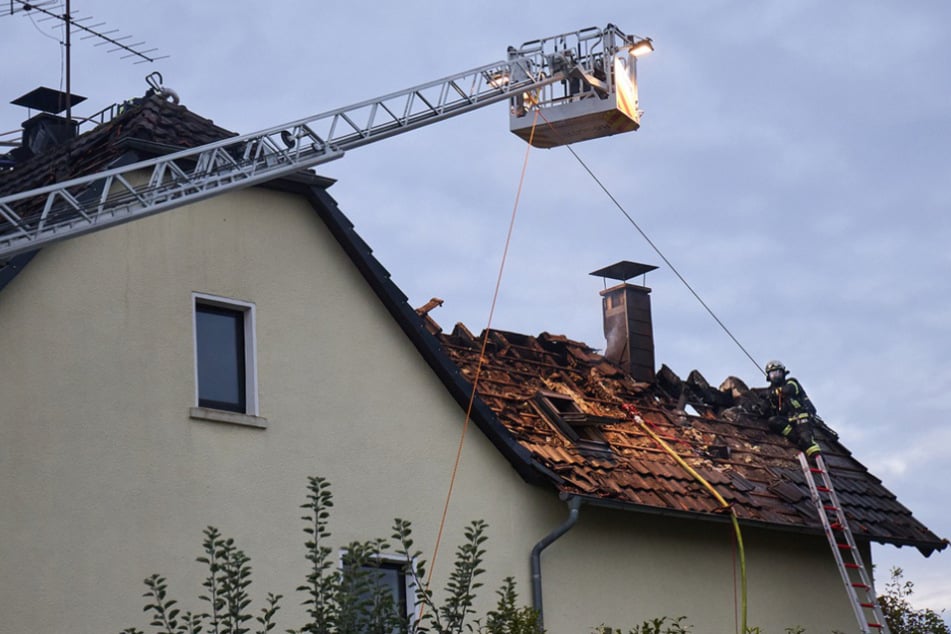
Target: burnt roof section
720,432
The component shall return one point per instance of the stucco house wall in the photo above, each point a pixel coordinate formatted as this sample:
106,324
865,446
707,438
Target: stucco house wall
624,567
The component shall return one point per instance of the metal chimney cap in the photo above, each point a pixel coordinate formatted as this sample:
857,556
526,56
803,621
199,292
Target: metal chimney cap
623,270
47,100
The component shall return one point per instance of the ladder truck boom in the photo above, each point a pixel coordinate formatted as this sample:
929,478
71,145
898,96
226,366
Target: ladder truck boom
581,84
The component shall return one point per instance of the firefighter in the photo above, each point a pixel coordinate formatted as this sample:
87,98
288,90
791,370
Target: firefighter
793,414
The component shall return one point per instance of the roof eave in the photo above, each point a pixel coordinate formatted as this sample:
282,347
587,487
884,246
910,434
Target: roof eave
926,548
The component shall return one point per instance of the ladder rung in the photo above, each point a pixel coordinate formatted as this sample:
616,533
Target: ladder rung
816,470
864,586
878,625
823,489
852,566
844,546
836,526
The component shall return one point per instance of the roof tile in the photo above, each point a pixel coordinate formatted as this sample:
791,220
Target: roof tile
759,477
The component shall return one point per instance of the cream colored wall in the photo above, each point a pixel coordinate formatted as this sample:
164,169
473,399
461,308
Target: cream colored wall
625,568
106,479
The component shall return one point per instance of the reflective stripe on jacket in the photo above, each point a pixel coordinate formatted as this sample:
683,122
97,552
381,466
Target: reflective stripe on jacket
793,402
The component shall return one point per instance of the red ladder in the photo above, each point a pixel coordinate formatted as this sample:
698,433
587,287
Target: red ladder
858,586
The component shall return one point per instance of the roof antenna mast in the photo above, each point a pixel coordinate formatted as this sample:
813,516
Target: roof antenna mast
52,8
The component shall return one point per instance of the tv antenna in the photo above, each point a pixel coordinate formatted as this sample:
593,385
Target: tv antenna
61,10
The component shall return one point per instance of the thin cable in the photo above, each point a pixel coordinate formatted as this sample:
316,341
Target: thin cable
62,44
63,63
666,261
659,253
478,372
39,30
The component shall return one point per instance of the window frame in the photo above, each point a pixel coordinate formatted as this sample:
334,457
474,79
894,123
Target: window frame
391,560
250,378
582,430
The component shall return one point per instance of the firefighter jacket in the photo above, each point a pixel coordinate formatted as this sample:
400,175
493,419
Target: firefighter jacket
790,400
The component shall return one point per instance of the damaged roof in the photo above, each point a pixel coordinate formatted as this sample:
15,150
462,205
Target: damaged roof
565,403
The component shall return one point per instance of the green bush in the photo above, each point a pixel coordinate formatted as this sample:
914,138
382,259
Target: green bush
662,625
900,617
349,600
507,617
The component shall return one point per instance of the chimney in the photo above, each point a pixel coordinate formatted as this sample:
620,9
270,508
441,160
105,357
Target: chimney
627,320
46,129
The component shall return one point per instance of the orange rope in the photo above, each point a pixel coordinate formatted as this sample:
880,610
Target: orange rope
478,372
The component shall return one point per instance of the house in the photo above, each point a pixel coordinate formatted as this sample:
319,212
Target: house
192,368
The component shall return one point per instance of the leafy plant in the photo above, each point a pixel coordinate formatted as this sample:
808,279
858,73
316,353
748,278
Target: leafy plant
460,591
662,625
226,588
507,617
348,600
164,613
322,579
229,575
364,604
900,616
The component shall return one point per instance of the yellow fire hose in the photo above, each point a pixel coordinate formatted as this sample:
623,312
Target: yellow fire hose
726,505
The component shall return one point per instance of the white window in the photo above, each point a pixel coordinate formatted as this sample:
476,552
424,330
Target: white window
225,369
391,575
389,572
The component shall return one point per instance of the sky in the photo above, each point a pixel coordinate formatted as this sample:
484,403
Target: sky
793,165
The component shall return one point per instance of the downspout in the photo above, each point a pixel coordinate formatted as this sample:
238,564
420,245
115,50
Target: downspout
574,506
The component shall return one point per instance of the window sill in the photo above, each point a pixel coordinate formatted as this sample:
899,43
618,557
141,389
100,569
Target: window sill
222,416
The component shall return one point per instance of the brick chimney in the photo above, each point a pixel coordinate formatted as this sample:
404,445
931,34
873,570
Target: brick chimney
627,320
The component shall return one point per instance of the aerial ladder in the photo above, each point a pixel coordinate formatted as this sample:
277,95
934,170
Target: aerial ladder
566,88
855,577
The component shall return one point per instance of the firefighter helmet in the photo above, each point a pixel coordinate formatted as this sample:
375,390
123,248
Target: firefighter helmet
776,372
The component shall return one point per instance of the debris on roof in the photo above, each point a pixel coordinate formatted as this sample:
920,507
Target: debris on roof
721,432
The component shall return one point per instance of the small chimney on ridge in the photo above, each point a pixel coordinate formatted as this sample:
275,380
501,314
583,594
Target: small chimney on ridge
46,129
627,320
